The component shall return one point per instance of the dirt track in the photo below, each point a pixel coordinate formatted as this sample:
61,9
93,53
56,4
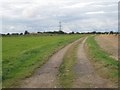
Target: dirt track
86,77
46,76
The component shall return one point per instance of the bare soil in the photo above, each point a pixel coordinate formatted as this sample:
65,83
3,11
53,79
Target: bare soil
109,43
86,76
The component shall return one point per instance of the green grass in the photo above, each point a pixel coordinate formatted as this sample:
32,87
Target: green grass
23,54
66,74
106,66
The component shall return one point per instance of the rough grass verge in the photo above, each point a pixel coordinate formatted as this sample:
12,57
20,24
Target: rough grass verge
105,66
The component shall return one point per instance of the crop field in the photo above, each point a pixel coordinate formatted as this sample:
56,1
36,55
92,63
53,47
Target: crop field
104,64
23,54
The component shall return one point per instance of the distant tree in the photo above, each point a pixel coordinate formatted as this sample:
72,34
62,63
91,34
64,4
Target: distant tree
26,32
77,33
61,32
98,32
106,32
3,34
8,33
72,32
39,32
15,33
111,32
94,32
21,33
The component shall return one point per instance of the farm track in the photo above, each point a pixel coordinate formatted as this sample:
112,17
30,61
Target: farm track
86,76
46,76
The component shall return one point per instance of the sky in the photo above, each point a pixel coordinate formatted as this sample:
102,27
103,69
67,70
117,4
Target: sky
45,15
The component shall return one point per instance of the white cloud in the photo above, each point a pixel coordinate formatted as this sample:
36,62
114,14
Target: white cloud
78,5
82,14
29,12
12,27
98,12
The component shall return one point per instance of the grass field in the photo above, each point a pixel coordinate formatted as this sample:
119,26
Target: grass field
23,54
106,66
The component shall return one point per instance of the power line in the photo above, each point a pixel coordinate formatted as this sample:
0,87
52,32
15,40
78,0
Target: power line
60,26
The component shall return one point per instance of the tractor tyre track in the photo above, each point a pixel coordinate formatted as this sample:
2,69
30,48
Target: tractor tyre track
46,76
86,76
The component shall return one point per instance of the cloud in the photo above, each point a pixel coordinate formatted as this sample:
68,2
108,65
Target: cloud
78,5
29,12
98,12
43,15
12,27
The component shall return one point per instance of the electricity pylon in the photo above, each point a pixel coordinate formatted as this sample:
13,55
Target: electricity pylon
60,26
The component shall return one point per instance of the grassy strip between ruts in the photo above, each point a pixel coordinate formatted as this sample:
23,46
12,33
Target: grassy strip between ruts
22,55
66,74
105,66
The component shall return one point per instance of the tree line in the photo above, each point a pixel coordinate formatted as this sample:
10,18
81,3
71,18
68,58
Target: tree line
59,32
